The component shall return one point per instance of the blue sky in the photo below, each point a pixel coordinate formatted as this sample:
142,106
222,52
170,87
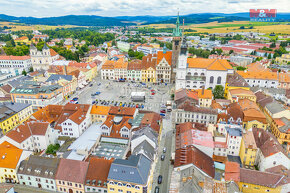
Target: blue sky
48,8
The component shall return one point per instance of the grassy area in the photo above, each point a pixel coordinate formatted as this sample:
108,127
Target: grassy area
224,27
25,27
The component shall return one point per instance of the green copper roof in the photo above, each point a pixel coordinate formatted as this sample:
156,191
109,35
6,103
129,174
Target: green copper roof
177,31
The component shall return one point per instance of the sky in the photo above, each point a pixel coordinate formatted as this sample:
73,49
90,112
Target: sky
50,8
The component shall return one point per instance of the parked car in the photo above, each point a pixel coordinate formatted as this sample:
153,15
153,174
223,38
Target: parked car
156,189
162,157
75,99
159,179
153,93
162,114
97,93
99,84
142,106
162,111
164,150
94,102
163,106
76,102
91,85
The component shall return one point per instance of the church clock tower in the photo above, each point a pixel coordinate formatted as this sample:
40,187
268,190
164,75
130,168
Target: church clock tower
176,42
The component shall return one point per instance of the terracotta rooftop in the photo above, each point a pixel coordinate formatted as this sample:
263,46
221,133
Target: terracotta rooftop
167,56
262,178
240,91
72,171
117,126
98,171
184,127
259,75
15,58
123,111
192,155
209,64
249,140
25,130
204,94
154,120
149,61
100,110
135,65
10,155
191,108
232,171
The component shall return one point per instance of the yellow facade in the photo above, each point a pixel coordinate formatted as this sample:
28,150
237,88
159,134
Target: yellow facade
281,136
254,124
205,102
227,88
250,188
25,114
8,173
149,75
247,155
22,40
9,123
119,187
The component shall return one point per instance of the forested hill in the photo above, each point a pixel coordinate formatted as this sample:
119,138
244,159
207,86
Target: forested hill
79,20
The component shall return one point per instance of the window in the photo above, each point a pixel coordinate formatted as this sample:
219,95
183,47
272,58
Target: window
211,79
219,80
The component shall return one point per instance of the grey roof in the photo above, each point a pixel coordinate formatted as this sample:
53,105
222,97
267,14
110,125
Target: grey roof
18,81
134,170
32,46
275,107
5,112
285,127
56,77
39,166
236,80
45,47
148,131
17,107
36,89
234,131
146,149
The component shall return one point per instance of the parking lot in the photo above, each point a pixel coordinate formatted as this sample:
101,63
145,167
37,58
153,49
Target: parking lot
119,93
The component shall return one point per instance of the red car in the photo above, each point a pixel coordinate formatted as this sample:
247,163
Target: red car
162,111
153,93
153,90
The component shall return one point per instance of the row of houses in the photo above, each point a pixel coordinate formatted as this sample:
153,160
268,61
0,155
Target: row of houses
155,68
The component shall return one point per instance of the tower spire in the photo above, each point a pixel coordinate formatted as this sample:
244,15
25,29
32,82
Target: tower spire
177,30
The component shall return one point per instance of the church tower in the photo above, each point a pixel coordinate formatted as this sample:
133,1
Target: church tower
176,42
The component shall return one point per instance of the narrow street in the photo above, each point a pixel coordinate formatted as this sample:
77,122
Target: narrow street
164,168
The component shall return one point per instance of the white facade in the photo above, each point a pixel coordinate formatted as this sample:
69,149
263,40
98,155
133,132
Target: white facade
147,50
35,142
163,71
262,83
120,73
134,75
42,59
34,181
272,161
15,62
187,116
72,129
108,74
234,144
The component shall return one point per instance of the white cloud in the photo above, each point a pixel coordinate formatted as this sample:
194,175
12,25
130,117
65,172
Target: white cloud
47,8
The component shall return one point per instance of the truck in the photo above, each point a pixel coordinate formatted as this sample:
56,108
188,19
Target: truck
138,96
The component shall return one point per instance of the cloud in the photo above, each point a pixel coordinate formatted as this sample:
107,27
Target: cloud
47,8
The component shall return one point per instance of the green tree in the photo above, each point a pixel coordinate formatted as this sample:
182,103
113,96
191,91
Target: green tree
269,56
242,27
231,51
273,45
31,69
218,92
241,68
52,149
24,73
219,51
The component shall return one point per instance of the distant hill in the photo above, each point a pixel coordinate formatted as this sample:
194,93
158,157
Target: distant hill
92,20
79,20
204,18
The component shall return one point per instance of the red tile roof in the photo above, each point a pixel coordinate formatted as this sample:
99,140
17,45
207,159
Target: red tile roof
154,120
184,127
262,178
167,56
98,170
77,64
192,155
25,130
52,52
72,171
232,171
15,58
123,111
116,127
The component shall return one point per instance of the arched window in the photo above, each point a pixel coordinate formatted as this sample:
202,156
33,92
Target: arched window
211,79
202,74
219,80
195,74
189,74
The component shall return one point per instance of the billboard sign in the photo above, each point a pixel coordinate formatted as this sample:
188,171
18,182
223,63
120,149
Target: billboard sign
264,15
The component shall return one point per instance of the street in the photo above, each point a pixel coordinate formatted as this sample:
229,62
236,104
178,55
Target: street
164,168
